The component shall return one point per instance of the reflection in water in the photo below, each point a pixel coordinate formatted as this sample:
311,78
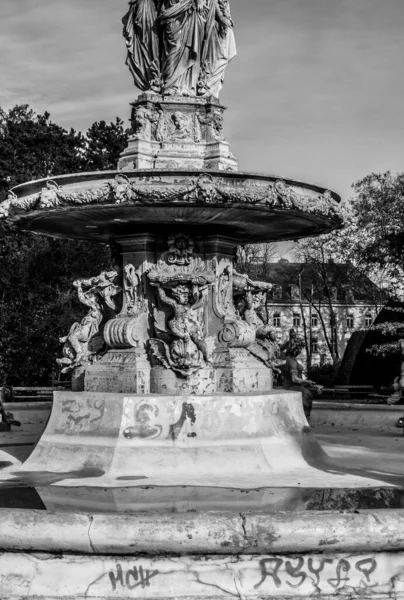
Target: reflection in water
196,499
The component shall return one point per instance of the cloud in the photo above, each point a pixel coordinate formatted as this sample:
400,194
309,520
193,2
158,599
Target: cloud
315,92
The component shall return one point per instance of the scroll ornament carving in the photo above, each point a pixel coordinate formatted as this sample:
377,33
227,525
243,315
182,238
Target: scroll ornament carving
84,343
206,189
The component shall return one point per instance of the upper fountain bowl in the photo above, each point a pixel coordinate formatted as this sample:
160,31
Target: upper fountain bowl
248,208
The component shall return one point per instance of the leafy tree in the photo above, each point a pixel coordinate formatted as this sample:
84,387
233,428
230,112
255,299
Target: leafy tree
253,259
32,147
329,277
104,145
376,228
37,301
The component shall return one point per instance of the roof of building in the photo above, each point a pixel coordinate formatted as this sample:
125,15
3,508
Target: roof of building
348,285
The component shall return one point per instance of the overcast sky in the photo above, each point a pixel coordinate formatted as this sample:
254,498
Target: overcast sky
316,92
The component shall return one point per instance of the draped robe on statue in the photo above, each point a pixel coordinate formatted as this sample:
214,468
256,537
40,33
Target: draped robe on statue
179,46
184,28
220,46
142,40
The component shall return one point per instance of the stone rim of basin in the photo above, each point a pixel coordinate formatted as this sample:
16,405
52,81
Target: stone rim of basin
108,204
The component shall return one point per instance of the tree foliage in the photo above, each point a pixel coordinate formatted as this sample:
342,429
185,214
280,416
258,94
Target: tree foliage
37,301
373,243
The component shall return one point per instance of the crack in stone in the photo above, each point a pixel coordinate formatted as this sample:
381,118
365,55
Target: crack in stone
244,527
91,519
93,583
215,585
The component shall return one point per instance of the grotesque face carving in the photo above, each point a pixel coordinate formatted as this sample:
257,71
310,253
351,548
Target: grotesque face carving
181,293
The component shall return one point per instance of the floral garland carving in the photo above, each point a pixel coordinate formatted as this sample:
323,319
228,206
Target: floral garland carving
204,189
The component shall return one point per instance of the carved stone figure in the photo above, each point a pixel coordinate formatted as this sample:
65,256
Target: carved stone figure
179,46
82,343
131,283
265,347
49,195
122,189
293,375
182,126
214,121
106,286
187,351
6,205
220,47
181,279
243,283
142,40
141,119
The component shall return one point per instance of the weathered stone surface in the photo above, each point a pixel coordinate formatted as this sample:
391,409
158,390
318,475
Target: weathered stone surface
274,576
346,415
209,533
177,133
258,207
228,441
119,372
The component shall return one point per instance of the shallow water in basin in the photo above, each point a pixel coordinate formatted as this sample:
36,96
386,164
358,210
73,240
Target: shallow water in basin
191,499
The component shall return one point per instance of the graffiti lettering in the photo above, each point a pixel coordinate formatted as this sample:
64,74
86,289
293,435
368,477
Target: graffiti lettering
322,572
295,571
132,578
269,568
317,572
367,566
343,567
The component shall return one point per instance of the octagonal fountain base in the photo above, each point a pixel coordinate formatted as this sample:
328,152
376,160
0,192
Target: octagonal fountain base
195,445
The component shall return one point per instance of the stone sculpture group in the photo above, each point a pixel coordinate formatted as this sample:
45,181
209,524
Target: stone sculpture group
179,47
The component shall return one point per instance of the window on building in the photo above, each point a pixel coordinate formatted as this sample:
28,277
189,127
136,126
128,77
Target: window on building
277,320
334,293
277,292
314,321
296,320
368,320
350,322
294,292
350,296
314,345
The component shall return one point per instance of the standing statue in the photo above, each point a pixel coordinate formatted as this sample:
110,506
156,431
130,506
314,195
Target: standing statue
220,48
142,40
179,47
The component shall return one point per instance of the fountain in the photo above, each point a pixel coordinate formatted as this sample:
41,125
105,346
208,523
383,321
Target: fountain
167,470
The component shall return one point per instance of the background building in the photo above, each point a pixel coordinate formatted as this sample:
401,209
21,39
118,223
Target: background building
325,308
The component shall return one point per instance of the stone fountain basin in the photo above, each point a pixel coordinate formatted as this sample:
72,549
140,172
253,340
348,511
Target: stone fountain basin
243,206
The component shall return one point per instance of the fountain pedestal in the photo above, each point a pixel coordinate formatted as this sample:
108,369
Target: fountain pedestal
172,132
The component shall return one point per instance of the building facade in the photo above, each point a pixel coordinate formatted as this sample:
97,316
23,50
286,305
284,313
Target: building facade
325,309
